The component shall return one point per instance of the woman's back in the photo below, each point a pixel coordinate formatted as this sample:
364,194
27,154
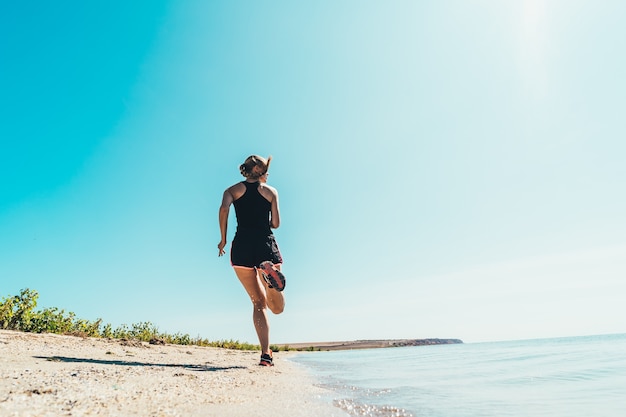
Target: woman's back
252,210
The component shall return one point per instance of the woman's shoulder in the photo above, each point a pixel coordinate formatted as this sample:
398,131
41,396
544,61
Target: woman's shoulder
271,189
268,192
236,190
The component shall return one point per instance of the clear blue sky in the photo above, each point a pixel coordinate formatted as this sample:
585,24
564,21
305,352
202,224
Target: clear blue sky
446,168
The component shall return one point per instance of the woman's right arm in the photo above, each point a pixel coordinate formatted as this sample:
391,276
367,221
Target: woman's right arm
227,200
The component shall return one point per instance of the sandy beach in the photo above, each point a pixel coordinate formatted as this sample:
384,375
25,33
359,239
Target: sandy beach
53,375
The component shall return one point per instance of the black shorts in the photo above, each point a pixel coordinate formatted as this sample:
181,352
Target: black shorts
249,250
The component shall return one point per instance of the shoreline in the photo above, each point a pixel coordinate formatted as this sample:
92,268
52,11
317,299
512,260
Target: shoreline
56,375
367,344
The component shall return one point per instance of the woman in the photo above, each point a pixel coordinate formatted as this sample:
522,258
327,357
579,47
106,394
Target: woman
254,253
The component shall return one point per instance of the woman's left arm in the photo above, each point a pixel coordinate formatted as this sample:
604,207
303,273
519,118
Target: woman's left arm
275,211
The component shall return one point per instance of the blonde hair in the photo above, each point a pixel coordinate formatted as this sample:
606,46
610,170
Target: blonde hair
255,166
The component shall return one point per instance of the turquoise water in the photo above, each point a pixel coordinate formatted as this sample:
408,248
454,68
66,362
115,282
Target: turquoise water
577,376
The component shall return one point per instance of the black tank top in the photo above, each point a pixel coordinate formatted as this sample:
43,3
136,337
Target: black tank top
252,210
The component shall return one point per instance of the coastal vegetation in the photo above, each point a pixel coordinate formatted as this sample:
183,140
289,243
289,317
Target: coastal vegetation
19,312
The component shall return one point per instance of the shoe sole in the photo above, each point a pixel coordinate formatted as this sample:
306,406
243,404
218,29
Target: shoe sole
274,278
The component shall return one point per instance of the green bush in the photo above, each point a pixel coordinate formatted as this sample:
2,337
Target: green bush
18,313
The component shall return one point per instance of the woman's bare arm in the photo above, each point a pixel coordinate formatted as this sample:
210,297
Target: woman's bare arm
227,200
274,211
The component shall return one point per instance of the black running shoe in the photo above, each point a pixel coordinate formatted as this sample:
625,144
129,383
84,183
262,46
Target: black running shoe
267,360
274,278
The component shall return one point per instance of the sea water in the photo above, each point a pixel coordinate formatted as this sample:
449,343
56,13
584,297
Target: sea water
564,377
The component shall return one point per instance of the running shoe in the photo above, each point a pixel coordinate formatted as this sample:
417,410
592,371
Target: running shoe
274,278
267,360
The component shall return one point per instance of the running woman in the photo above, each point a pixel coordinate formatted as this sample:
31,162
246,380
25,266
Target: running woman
254,252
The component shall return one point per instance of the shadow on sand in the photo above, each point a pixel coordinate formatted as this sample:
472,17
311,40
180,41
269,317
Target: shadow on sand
132,363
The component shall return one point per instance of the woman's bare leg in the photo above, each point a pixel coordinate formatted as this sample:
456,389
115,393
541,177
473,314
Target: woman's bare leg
256,291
